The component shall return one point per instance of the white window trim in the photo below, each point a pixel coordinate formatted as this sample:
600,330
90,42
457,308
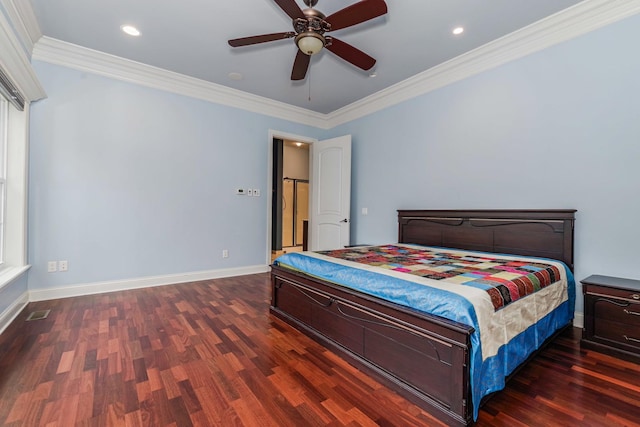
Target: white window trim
4,121
15,220
16,65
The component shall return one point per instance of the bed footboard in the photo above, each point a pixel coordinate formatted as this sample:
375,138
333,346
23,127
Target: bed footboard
424,358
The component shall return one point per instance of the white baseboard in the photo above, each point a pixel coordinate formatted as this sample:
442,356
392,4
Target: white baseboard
13,310
578,320
142,282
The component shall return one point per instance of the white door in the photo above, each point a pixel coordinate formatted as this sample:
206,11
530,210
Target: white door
330,194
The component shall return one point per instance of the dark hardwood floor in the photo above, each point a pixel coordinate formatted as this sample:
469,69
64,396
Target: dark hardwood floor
208,353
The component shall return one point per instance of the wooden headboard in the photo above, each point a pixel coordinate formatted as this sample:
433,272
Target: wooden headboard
540,233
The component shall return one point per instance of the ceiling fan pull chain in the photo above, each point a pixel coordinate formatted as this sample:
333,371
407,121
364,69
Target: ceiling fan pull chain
309,85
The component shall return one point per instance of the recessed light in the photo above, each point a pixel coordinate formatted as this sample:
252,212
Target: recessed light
458,30
235,76
130,29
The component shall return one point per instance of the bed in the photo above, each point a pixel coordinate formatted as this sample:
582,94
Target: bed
439,352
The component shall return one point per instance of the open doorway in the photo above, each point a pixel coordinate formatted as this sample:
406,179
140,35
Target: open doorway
329,187
290,196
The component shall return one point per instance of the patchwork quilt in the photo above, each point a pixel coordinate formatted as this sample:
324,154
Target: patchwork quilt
505,280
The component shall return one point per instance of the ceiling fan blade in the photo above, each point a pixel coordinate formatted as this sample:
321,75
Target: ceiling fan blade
356,13
351,54
246,41
290,8
300,66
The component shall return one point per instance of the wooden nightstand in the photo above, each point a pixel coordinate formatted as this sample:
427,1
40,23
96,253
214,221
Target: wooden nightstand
612,316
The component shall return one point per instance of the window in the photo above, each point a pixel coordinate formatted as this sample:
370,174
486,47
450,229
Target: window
19,86
13,190
3,174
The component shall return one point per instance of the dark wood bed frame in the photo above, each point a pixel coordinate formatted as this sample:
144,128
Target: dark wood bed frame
423,357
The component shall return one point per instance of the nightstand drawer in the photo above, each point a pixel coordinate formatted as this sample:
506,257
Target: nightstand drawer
626,294
620,333
616,311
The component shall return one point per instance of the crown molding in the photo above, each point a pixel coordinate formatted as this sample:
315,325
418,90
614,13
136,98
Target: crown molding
20,13
15,63
83,59
572,22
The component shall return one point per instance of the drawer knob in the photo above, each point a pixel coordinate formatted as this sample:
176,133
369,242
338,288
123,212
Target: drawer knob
635,296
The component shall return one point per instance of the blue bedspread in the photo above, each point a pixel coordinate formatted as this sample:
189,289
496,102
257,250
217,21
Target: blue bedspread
487,373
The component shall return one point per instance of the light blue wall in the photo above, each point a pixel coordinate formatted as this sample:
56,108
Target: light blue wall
128,182
557,129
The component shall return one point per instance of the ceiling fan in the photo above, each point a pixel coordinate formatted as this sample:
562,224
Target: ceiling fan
310,26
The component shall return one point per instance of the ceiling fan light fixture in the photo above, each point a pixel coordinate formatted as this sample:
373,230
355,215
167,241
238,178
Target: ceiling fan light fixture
310,42
309,28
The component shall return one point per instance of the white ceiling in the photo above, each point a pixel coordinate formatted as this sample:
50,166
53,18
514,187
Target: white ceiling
190,37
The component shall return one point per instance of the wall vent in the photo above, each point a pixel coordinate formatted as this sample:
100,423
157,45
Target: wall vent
38,315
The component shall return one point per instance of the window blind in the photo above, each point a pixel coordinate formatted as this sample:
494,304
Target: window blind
10,92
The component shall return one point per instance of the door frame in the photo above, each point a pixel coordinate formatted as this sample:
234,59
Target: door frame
282,135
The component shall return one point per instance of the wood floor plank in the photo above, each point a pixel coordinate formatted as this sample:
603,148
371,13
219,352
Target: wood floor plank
85,406
209,354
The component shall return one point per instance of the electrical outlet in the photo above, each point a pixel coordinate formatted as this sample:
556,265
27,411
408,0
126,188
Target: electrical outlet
249,192
256,192
365,211
225,253
52,267
63,265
